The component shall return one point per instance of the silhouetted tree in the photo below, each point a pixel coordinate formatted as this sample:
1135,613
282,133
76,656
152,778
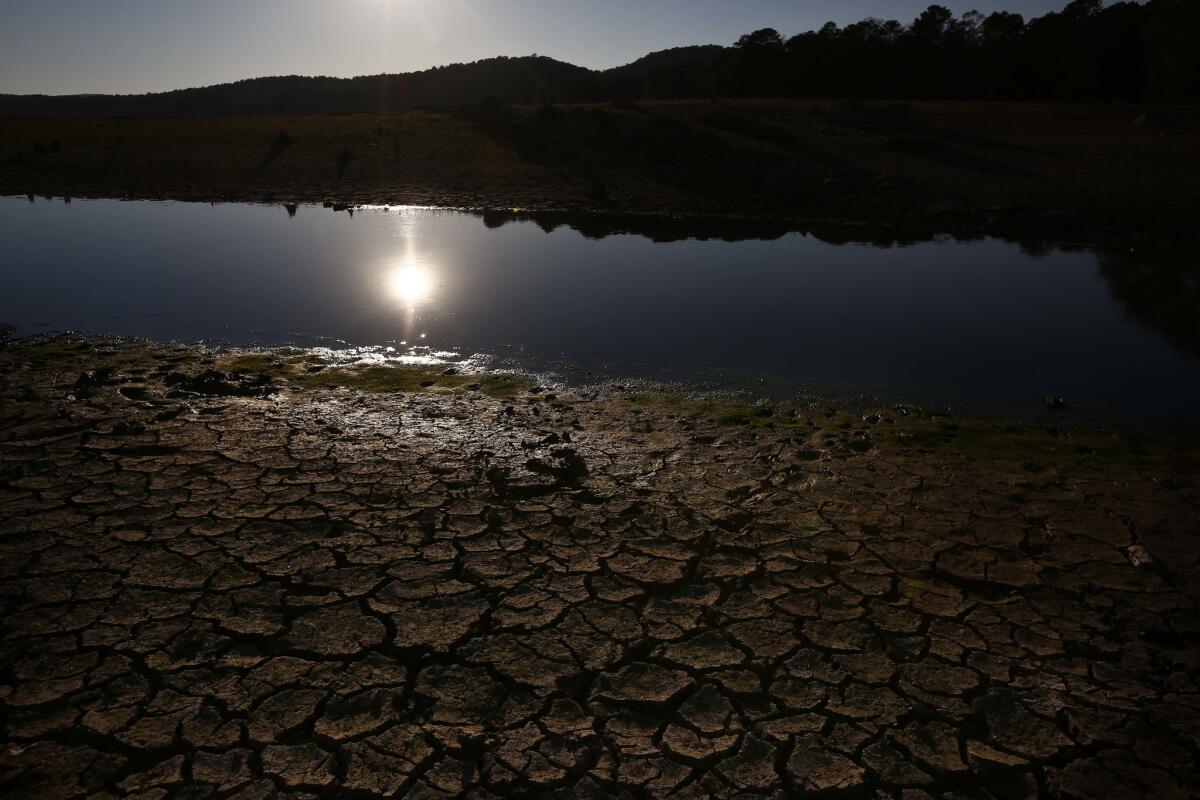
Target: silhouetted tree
762,65
1002,26
1082,10
930,28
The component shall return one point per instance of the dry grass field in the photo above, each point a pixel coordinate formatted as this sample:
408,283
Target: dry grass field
1062,170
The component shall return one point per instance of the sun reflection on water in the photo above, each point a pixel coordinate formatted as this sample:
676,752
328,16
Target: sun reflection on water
409,284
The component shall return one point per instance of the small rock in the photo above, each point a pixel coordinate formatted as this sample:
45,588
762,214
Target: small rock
567,466
1158,118
1139,556
128,428
214,383
94,377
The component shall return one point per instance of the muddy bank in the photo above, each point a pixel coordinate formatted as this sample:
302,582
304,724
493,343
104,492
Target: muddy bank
259,575
1018,170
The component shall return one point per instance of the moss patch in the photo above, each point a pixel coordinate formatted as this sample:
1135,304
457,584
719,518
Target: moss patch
412,379
1043,446
724,411
57,348
1082,447
257,364
311,372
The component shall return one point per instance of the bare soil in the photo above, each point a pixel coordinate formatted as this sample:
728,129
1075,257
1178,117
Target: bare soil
225,579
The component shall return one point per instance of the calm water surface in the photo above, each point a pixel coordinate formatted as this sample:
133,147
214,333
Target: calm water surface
982,324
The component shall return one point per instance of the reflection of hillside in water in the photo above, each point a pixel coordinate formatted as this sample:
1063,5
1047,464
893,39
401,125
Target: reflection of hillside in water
1160,287
657,228
666,228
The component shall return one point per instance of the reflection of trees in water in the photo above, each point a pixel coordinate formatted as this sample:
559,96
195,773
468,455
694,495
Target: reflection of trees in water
656,227
1160,287
665,228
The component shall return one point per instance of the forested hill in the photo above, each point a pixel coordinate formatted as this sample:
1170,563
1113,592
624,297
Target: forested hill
1087,52
512,80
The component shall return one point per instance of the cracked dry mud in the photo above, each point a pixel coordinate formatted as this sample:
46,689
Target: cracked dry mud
325,593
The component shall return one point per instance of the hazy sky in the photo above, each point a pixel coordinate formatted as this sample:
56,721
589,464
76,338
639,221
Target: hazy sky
68,46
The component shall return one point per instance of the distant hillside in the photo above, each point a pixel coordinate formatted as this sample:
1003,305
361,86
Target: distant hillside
676,56
531,79
696,71
524,81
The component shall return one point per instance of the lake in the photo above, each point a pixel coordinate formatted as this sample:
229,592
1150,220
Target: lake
984,324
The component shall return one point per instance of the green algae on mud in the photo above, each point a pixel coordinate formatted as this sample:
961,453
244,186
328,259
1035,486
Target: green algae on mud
915,430
814,428
1080,446
414,379
64,347
314,372
297,367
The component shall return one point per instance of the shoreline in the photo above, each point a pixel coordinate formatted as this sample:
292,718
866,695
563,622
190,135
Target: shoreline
740,396
305,374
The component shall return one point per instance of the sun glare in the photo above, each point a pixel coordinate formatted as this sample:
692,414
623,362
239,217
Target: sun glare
409,284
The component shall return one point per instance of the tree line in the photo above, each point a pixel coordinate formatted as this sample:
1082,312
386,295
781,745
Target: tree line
1087,52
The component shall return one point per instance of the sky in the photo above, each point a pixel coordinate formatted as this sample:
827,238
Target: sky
134,46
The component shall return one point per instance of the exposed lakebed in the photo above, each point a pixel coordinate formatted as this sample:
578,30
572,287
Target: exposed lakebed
985,324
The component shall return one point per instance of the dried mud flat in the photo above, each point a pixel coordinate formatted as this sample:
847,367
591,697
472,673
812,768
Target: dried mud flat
213,588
